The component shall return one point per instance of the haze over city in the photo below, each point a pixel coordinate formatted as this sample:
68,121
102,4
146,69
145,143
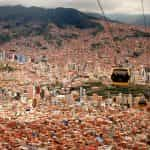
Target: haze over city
110,6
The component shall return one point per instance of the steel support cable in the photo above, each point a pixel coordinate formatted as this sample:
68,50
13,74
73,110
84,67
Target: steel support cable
144,17
145,24
105,18
108,25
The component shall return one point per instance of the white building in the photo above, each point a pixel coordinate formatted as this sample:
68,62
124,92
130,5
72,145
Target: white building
145,73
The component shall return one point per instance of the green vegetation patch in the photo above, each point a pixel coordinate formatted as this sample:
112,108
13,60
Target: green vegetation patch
4,37
103,90
6,67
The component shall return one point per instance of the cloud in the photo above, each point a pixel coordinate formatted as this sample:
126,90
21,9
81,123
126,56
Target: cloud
110,6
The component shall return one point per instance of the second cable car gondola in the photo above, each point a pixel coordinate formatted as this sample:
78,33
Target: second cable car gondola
120,76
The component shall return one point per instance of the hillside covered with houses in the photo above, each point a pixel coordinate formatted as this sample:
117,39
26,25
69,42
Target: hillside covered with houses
56,81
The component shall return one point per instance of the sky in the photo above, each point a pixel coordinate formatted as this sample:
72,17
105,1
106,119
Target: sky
110,6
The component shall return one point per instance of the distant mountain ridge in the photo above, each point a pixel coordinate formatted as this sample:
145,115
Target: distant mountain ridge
99,16
124,18
17,21
59,16
131,19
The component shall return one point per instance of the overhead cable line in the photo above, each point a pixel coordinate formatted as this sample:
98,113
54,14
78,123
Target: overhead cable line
145,25
144,17
105,18
108,26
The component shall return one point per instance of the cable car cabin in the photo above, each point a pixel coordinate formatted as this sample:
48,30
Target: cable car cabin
120,76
